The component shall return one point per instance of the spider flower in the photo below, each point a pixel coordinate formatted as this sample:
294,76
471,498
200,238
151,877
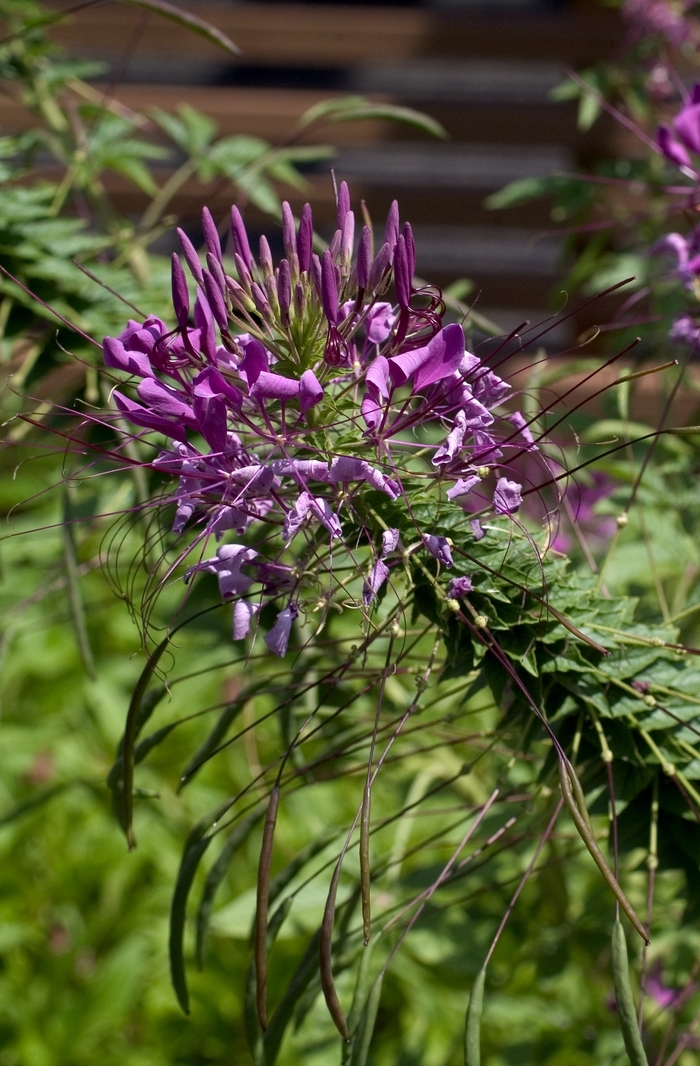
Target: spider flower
292,399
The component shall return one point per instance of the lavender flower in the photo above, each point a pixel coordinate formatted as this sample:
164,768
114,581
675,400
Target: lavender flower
278,637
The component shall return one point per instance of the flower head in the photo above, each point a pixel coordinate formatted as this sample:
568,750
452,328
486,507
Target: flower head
289,395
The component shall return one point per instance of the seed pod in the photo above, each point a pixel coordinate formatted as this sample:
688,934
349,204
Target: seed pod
626,1012
472,1038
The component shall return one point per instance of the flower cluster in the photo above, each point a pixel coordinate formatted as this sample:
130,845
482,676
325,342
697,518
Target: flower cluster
288,394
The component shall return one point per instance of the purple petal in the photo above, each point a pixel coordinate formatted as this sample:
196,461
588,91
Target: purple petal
463,487
256,359
520,423
165,402
447,451
190,253
310,391
274,387
671,148
211,234
477,529
438,360
377,577
210,412
377,378
687,126
305,237
278,637
390,541
243,613
459,586
265,257
379,323
117,357
140,416
371,412
254,480
507,496
438,547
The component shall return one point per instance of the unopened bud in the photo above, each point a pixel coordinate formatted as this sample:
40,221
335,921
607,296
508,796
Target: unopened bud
481,621
483,471
266,258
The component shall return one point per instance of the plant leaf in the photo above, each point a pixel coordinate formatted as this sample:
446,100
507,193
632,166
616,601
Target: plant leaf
190,21
215,877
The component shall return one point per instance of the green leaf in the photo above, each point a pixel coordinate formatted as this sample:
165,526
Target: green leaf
523,191
300,981
190,21
215,877
31,804
191,856
365,1028
359,108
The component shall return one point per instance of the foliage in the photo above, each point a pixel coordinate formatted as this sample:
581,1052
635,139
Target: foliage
477,698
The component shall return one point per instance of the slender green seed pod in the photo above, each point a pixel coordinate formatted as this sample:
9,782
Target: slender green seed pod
472,1039
623,996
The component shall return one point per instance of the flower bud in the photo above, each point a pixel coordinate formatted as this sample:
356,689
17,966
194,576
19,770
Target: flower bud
364,255
240,238
329,288
190,253
402,278
181,296
266,258
284,290
211,234
305,238
299,300
215,299
391,230
243,272
343,203
289,238
348,239
380,267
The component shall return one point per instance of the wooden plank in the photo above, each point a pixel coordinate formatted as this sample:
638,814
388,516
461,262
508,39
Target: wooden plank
327,35
268,113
